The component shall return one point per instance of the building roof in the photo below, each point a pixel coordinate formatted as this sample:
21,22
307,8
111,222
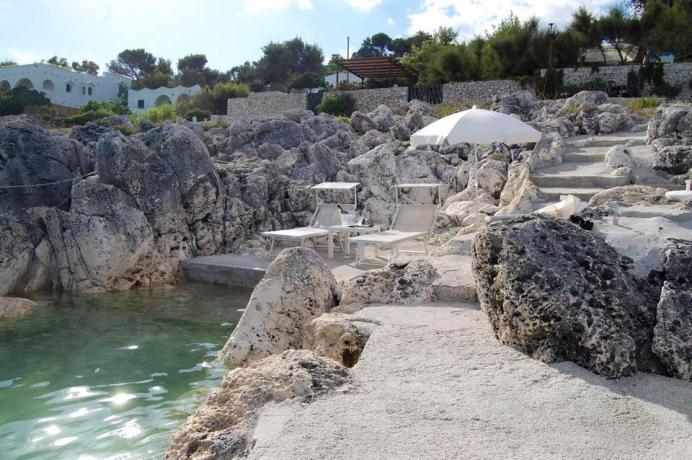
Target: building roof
377,67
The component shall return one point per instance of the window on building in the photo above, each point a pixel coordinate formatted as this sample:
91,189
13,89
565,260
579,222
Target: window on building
68,88
83,90
140,104
89,90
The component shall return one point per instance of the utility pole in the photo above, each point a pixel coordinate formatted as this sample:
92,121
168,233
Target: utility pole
348,53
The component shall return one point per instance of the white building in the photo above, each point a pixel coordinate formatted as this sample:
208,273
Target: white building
139,100
343,76
62,85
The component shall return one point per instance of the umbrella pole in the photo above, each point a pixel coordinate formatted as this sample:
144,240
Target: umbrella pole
475,194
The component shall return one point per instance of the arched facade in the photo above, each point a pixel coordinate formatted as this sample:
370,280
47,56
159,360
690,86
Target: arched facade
48,86
25,82
162,100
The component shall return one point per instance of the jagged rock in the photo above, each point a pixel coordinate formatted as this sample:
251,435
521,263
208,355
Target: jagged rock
518,103
547,152
587,98
397,283
376,172
672,341
296,288
561,293
675,159
222,427
618,156
383,118
421,108
461,206
613,118
89,134
31,154
16,249
628,195
520,194
13,307
670,121
361,122
337,336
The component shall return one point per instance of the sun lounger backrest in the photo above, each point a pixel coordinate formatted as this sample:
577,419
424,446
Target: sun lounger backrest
325,216
414,218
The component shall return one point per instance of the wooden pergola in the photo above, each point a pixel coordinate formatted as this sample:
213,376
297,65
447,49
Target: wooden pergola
377,67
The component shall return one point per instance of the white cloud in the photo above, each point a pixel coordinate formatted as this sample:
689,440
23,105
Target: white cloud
22,56
473,17
391,21
364,5
254,6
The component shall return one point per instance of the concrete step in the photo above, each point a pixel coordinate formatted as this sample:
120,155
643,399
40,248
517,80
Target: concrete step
607,140
552,194
585,155
578,175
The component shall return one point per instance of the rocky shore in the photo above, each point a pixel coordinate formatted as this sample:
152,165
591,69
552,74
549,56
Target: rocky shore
607,289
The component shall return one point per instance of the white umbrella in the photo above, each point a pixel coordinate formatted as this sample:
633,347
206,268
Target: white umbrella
476,126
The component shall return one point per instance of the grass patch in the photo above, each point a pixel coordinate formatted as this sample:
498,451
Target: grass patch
443,110
643,106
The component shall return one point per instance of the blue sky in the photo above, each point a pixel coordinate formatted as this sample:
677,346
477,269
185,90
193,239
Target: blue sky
233,31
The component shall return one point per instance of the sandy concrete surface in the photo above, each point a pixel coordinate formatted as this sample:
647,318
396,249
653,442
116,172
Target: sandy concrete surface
434,383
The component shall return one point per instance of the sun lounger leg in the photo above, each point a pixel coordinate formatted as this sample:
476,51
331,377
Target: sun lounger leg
330,245
271,247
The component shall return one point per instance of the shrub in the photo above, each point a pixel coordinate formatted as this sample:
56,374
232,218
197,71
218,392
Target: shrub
306,80
347,85
643,103
596,84
157,115
10,105
19,99
94,111
666,90
338,104
199,114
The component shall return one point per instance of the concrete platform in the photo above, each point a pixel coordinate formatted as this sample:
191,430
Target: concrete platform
455,282
578,174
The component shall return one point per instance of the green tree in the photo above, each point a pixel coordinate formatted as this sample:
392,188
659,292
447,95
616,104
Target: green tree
667,27
491,67
86,66
7,63
62,62
136,64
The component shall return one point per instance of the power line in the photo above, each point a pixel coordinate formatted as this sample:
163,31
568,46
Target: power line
45,184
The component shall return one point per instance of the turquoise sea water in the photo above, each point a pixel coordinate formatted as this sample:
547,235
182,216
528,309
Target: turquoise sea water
110,375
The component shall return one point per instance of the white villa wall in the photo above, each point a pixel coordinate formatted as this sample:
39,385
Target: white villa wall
156,97
52,80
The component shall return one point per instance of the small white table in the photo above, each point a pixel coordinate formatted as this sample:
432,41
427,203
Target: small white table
345,231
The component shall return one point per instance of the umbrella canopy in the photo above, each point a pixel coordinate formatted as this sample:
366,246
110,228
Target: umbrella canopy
476,126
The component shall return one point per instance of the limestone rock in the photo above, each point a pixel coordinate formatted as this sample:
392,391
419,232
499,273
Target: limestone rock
13,307
628,195
561,293
337,336
421,108
16,250
397,283
383,118
619,156
519,103
296,288
670,121
610,122
520,194
547,152
31,154
588,98
675,159
672,340
361,122
222,427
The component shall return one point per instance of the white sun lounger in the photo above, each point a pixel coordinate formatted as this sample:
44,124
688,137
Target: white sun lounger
410,222
325,216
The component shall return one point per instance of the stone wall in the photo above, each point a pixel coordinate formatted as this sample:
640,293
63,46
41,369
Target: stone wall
260,105
678,74
477,91
367,100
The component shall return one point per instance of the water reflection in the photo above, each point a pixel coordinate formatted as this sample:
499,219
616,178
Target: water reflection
110,376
